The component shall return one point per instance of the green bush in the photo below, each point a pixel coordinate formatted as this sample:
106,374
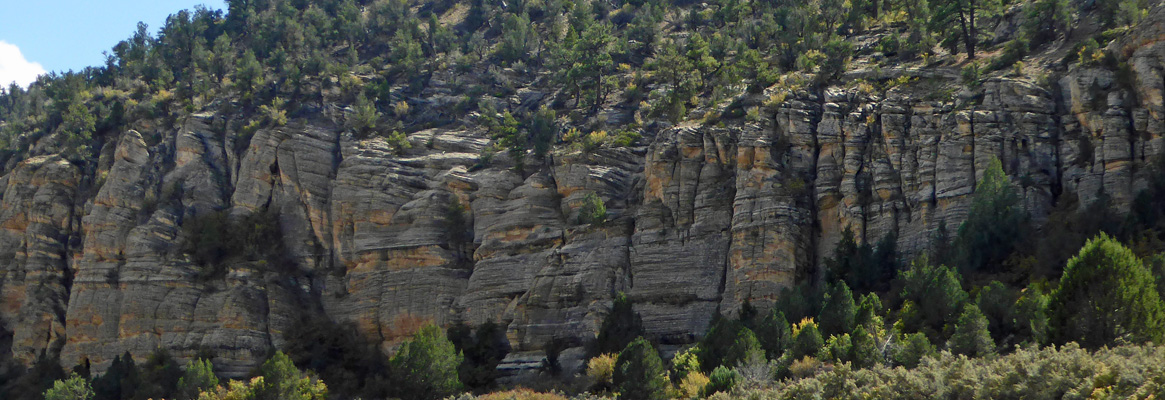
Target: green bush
1067,372
722,379
911,349
639,372
1106,294
592,210
74,388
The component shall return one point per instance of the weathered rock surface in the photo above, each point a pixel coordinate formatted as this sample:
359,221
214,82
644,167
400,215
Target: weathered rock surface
700,218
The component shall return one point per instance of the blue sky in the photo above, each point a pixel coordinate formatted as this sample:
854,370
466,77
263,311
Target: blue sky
62,35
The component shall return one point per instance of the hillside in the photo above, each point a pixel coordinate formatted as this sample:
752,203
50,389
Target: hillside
237,180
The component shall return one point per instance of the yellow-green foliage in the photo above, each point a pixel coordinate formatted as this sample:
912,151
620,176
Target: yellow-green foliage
691,386
601,370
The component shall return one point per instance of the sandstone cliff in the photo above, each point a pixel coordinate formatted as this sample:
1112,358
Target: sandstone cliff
701,217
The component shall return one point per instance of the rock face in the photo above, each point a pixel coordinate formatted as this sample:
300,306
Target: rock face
700,218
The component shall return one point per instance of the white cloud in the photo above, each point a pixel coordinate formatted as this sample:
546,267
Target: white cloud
14,68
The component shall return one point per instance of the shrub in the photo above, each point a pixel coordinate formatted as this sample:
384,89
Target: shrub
592,210
723,379
972,75
639,373
684,363
911,349
692,385
1106,294
425,367
601,370
74,388
398,141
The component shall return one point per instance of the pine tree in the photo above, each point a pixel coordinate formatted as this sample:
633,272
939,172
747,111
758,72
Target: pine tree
864,351
807,340
971,337
993,225
639,372
198,377
425,368
621,326
837,317
1106,294
774,334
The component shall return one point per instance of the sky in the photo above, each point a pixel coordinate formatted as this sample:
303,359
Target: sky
37,36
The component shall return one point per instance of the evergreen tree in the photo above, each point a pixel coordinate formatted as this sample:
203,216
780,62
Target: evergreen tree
807,340
993,225
425,368
198,377
1106,294
971,336
932,297
997,302
621,326
482,352
837,317
119,381
159,376
774,334
639,372
727,342
864,351
960,19
283,381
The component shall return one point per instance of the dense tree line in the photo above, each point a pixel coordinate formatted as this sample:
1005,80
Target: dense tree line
1106,296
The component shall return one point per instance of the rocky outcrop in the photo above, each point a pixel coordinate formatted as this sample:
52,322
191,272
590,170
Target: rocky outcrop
700,220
